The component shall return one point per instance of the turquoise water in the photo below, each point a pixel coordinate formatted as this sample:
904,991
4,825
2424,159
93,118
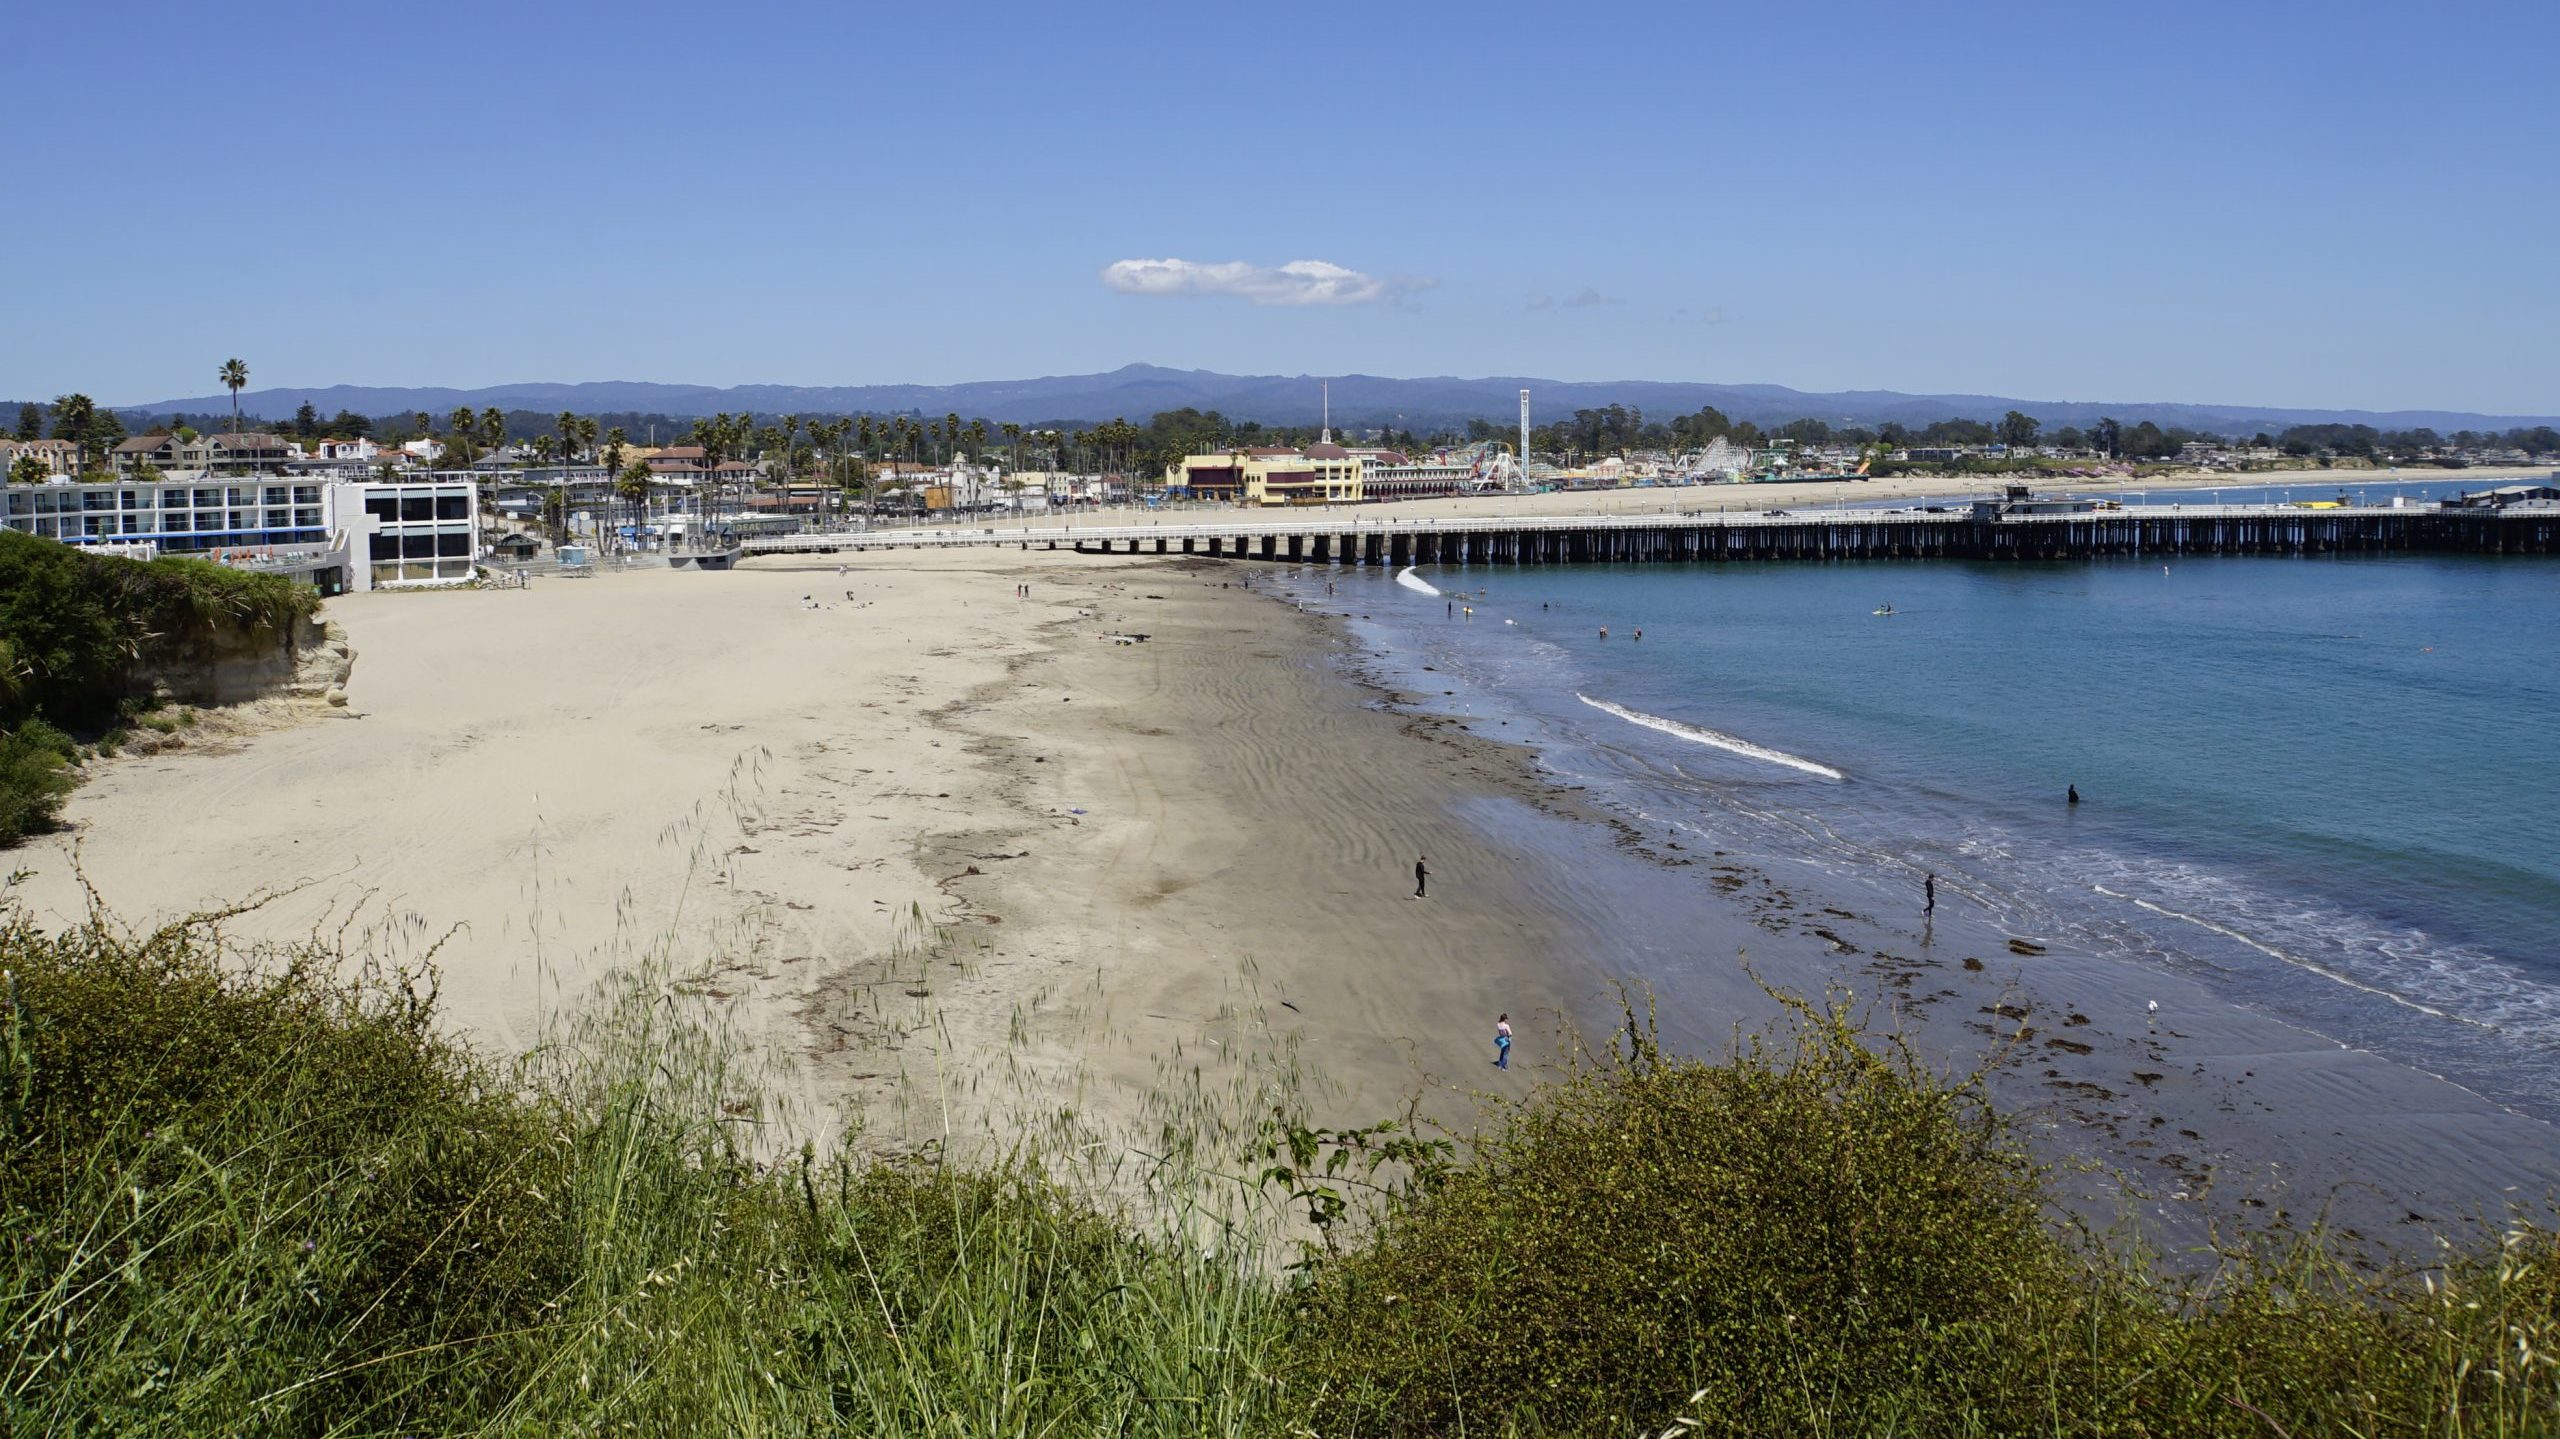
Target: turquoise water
2325,785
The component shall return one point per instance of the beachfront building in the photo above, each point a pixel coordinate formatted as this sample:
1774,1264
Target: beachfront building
1391,476
175,516
1315,475
407,534
337,537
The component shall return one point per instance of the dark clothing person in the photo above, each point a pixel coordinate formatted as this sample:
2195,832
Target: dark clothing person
2075,795
1421,878
1929,887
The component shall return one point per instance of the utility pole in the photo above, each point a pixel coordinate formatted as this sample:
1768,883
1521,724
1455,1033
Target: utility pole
1328,410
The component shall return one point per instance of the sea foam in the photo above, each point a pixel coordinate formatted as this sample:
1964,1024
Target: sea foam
1698,735
1407,578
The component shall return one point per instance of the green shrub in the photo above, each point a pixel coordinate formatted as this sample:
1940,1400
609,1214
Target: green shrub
234,1185
34,778
244,1194
73,624
1825,1237
260,1192
1819,1226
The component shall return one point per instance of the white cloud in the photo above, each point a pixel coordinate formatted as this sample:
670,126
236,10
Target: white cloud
1300,282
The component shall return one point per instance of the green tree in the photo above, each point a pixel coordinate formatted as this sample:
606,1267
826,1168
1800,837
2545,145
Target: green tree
2018,431
235,378
2107,435
348,425
30,421
26,469
493,428
74,417
632,482
460,425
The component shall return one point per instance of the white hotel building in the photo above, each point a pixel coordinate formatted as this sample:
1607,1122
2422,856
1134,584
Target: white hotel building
341,536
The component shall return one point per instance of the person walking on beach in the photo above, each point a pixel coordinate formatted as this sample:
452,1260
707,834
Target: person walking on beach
1502,1042
1421,876
1929,888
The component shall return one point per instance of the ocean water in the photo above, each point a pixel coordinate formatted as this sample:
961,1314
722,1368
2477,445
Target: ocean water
2324,786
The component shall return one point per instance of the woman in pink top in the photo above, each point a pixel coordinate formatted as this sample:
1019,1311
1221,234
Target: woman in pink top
1502,1042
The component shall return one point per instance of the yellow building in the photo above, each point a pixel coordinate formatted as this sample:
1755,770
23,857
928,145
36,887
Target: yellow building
1316,475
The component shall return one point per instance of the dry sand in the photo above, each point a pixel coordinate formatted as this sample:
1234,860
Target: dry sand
928,841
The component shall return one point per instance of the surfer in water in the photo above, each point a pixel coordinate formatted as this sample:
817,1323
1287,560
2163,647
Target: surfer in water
1604,632
2071,794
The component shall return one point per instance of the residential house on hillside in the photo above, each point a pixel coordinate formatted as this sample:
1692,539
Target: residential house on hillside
59,457
247,452
166,453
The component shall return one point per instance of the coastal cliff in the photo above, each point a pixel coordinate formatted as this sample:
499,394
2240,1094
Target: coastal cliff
305,658
90,644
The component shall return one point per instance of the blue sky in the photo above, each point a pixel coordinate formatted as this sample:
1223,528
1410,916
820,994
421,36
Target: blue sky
2345,204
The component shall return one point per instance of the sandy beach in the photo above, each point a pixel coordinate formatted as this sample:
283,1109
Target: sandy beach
928,841
950,854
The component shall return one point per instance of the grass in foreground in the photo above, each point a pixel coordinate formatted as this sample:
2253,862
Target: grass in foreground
252,1194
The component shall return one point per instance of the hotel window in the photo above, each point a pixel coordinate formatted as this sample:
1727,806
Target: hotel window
306,519
208,499
416,507
275,495
453,507
306,494
382,507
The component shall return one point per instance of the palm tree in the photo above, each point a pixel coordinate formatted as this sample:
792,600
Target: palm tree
567,425
235,377
493,428
1013,442
611,456
632,483
462,422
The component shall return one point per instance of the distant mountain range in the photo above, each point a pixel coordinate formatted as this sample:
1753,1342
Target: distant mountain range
1138,391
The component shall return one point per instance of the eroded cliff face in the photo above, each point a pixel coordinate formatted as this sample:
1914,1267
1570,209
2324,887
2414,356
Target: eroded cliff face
238,664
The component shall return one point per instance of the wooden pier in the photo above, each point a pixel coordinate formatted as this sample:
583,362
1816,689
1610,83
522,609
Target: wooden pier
1771,535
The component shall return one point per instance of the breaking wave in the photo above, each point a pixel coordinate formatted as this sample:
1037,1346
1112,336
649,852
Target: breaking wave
1697,735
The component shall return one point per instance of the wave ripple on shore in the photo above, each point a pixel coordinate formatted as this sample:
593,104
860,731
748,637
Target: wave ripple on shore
1696,734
